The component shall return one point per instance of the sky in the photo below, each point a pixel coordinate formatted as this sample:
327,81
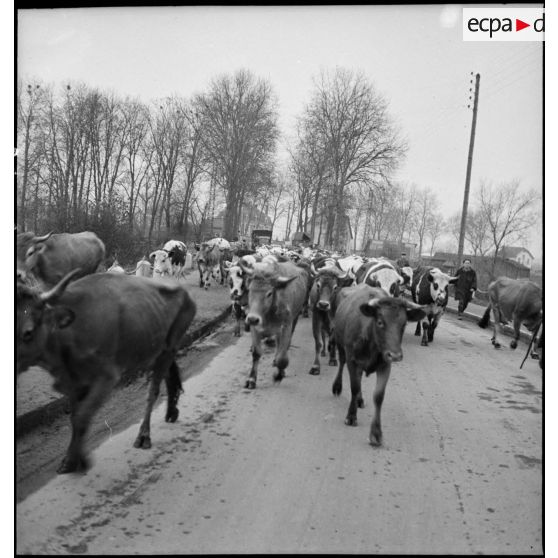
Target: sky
414,56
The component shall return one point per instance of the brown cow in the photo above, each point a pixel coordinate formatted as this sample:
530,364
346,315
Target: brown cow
327,282
368,329
276,294
90,333
513,300
49,258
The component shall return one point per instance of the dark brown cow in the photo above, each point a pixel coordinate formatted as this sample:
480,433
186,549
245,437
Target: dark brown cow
326,284
368,329
90,333
276,294
513,300
49,258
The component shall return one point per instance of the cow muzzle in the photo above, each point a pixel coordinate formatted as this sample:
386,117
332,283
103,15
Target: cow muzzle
253,320
393,356
323,305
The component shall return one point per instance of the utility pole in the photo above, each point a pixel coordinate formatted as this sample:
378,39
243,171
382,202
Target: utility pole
468,177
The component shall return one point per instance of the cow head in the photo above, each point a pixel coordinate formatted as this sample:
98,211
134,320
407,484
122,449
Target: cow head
37,316
389,317
263,284
161,263
439,282
326,284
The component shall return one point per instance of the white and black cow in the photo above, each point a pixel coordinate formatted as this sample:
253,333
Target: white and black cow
170,261
430,289
239,289
382,274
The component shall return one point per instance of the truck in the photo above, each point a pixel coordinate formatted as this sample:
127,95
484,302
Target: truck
261,236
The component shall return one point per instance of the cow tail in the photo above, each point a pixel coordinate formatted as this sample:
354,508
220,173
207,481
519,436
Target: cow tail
485,320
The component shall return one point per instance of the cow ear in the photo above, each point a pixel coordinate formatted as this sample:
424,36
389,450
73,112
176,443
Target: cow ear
415,312
282,282
430,277
370,308
152,255
63,316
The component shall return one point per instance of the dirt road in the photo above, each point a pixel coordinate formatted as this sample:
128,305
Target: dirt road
276,469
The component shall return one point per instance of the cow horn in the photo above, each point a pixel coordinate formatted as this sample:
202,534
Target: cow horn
58,289
43,238
313,269
152,255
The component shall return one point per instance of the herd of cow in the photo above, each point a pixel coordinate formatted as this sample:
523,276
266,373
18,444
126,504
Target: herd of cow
89,328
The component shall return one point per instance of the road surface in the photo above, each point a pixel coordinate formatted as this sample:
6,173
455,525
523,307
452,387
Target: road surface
276,470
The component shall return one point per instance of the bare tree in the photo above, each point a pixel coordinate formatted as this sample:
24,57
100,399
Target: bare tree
508,212
350,121
239,120
426,204
436,226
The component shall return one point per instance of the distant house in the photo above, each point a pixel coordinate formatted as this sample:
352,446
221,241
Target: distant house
517,254
250,218
389,249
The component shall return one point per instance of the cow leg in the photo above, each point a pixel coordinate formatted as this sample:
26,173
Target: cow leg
201,276
83,406
337,386
160,370
417,329
174,389
324,340
237,309
355,375
331,349
317,329
281,356
497,326
382,377
425,333
433,326
516,326
256,355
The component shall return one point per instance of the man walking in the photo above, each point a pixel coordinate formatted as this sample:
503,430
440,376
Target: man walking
465,286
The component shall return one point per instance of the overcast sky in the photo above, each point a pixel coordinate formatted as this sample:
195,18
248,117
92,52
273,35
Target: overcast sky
415,56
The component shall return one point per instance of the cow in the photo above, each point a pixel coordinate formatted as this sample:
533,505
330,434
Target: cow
368,330
170,260
143,268
211,259
382,274
513,300
276,294
407,273
116,268
88,334
208,264
430,289
51,257
238,290
322,302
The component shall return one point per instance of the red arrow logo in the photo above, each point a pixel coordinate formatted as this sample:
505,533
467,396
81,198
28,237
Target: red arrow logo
519,25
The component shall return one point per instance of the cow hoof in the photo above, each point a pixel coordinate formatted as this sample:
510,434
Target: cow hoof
278,376
336,388
360,403
172,415
513,344
333,362
143,442
323,353
81,464
496,344
250,383
375,439
351,421
430,338
424,343
314,371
